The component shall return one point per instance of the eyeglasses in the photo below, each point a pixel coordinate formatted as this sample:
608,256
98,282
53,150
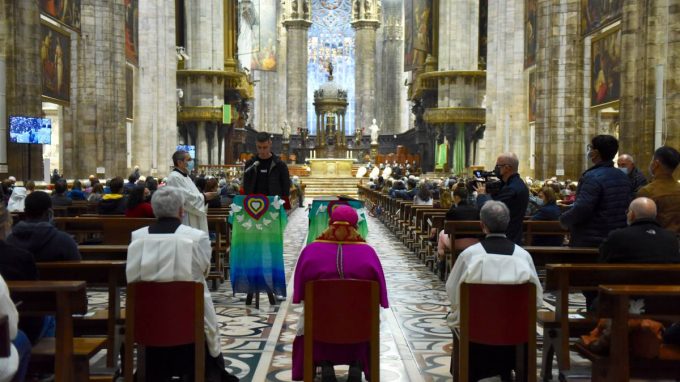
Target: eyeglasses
502,165
589,147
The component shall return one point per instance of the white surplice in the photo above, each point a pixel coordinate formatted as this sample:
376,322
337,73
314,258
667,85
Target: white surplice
194,204
164,257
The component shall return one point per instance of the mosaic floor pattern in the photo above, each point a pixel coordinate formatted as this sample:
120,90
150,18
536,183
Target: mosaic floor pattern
415,341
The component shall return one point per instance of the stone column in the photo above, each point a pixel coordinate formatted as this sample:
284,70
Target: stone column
155,123
365,21
391,74
296,71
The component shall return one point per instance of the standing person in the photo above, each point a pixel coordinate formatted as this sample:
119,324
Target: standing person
194,201
626,164
664,190
602,197
514,193
266,173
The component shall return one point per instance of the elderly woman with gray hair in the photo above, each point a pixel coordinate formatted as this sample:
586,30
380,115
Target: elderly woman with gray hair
494,260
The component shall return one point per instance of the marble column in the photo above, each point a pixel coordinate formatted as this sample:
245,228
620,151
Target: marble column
390,84
365,23
155,115
296,72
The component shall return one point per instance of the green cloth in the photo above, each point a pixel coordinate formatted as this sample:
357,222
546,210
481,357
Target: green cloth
318,217
459,151
442,153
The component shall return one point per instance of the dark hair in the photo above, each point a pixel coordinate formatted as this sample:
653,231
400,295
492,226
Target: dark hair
116,185
668,157
60,186
178,156
30,185
98,188
200,183
36,204
77,185
607,145
132,178
411,183
151,183
461,192
424,192
135,197
549,194
210,185
262,137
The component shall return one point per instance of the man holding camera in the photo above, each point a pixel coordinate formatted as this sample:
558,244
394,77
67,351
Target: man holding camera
514,193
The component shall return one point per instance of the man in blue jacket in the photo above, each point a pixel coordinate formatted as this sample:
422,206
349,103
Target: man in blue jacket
514,193
602,196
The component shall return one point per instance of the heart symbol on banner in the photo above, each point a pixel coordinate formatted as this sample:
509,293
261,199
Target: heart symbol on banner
256,205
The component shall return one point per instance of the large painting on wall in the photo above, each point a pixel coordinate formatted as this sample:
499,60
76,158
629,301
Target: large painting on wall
606,68
55,60
532,96
264,45
129,92
66,12
530,32
132,31
418,33
596,14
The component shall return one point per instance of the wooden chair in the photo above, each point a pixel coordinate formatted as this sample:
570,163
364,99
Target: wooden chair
162,315
342,312
481,305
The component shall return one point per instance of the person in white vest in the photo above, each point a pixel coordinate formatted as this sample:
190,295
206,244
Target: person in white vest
195,201
159,253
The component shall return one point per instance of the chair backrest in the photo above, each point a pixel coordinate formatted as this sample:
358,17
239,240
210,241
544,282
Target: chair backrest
165,314
497,314
342,311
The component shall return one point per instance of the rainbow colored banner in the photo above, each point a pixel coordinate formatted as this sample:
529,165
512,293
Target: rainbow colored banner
256,259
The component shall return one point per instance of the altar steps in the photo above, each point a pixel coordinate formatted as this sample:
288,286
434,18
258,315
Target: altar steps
318,186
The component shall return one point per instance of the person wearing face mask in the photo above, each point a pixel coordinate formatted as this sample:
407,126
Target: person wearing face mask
643,241
548,211
664,190
38,235
626,164
514,193
602,196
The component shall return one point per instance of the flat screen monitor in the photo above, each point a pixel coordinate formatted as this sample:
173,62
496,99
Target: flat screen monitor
192,151
30,130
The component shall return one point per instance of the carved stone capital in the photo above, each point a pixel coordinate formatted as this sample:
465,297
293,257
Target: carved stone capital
436,116
200,114
297,24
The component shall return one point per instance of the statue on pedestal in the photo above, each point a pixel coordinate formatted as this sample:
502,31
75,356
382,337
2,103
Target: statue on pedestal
374,132
285,128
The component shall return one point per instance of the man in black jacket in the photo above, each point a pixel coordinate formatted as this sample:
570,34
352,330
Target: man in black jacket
514,193
270,175
643,241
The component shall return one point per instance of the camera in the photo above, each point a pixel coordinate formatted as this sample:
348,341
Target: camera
490,180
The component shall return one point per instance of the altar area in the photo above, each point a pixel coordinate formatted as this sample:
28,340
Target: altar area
335,167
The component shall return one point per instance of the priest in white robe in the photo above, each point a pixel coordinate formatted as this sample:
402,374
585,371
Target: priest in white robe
159,253
195,201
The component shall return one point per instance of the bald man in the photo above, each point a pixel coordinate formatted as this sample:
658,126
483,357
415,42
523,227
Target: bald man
626,164
514,193
643,241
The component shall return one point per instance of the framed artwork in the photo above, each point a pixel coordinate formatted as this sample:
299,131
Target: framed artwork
129,91
132,31
596,14
418,33
530,7
55,62
66,12
606,68
532,96
264,43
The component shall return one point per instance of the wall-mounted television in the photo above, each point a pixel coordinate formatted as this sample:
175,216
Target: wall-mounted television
30,130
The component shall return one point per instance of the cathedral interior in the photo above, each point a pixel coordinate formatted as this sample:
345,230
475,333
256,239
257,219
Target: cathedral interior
442,87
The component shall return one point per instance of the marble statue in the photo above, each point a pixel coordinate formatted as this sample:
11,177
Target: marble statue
374,132
285,128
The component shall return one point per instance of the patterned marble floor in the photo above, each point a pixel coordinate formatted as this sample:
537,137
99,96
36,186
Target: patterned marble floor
415,341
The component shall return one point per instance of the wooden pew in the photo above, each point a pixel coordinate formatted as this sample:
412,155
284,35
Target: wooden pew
534,228
103,251
660,302
556,255
455,228
571,278
70,356
422,232
108,274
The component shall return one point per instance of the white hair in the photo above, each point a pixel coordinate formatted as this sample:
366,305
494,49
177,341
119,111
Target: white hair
495,215
167,201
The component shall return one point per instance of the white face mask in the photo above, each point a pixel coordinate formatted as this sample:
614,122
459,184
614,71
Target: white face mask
624,170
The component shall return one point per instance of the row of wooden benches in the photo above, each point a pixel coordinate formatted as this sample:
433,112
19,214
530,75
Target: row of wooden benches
567,270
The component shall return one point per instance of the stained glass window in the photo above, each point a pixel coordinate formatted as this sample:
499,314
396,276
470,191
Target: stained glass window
331,39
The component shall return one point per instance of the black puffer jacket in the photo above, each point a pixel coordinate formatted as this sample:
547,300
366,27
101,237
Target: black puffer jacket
44,241
279,178
602,198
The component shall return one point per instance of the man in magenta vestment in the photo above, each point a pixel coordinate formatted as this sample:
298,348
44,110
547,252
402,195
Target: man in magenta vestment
339,252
